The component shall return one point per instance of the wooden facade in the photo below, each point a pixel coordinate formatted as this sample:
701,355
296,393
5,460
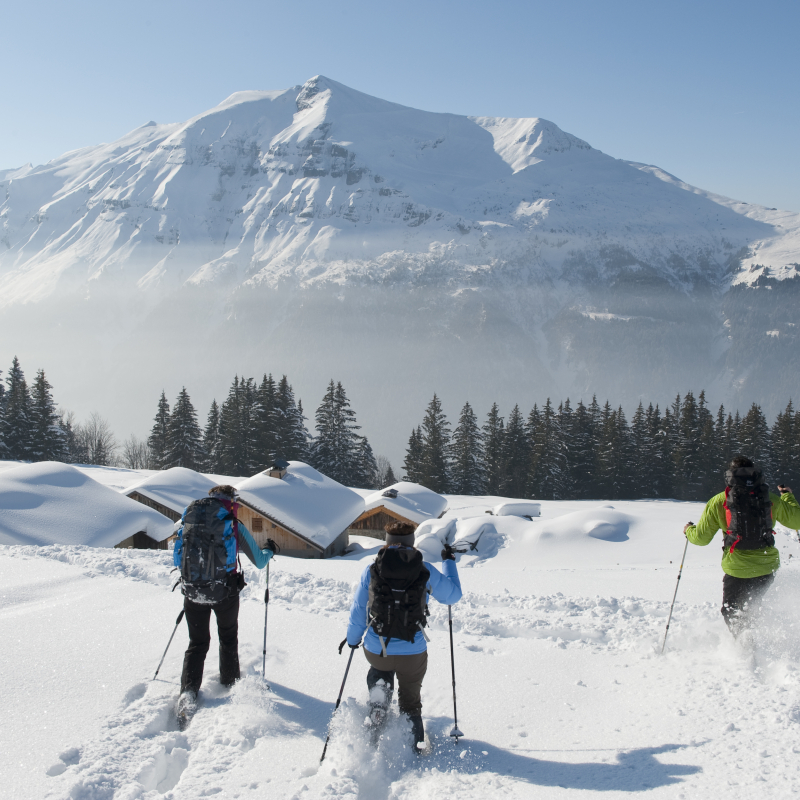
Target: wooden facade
162,509
372,522
141,541
291,543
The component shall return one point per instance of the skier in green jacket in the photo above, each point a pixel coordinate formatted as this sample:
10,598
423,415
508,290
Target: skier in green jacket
749,556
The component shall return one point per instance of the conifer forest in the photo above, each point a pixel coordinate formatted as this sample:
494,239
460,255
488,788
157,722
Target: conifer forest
554,453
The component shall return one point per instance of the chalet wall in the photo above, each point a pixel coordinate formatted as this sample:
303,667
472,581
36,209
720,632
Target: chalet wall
162,509
372,522
141,541
263,528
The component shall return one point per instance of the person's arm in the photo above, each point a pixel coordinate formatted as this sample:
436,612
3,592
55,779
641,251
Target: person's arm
177,551
357,624
445,585
705,530
248,546
786,508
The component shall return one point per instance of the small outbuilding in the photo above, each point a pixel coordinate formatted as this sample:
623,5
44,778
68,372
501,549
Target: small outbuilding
306,513
170,491
403,502
49,503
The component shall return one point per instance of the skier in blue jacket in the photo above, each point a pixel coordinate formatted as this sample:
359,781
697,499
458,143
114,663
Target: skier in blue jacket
397,644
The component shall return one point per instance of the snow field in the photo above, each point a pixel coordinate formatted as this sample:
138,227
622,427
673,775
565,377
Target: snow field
561,690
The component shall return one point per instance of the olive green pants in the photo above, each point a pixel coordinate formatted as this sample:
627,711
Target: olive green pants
410,670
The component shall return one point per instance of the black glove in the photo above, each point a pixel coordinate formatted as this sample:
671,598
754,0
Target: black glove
783,489
351,646
448,554
273,546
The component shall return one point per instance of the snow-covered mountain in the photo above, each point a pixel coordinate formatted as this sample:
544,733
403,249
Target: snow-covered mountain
301,220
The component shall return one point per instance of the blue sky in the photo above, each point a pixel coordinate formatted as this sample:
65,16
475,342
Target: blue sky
706,90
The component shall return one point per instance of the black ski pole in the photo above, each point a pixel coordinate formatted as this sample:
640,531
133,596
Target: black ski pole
338,701
678,583
455,732
266,612
177,622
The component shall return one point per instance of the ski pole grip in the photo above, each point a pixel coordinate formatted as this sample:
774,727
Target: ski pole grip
180,617
266,595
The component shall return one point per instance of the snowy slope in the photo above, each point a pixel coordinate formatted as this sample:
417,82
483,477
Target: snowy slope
561,693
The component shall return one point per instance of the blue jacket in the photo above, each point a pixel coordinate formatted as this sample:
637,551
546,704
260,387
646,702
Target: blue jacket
247,545
446,588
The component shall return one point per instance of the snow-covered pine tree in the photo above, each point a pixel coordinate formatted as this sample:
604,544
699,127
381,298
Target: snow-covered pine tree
48,442
367,472
581,454
293,435
641,469
467,474
492,435
435,448
566,426
516,456
412,466
755,441
686,448
75,450
269,435
710,465
785,439
238,448
337,446
3,448
17,423
211,440
547,455
184,439
158,441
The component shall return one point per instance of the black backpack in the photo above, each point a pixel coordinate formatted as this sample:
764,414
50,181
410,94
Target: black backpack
210,551
748,510
398,594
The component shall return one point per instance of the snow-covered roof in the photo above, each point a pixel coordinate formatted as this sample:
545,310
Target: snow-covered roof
304,501
413,501
53,503
174,488
517,508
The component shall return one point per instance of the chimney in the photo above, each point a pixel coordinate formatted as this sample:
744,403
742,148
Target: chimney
392,493
278,469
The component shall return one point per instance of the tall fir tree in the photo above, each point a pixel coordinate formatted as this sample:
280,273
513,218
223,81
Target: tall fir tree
211,440
467,474
184,439
366,473
337,447
435,448
785,439
754,440
48,442
412,466
158,441
3,448
516,456
547,459
17,433
238,437
642,484
292,432
581,463
266,419
493,435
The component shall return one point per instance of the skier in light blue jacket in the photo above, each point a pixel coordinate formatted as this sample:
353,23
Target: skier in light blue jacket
390,604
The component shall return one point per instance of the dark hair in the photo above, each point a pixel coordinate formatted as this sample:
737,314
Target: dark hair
737,462
224,489
400,529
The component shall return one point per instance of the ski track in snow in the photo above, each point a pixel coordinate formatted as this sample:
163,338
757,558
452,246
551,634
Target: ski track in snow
574,699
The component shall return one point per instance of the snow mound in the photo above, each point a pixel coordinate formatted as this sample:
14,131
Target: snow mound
603,522
412,501
474,535
174,488
517,508
53,503
303,501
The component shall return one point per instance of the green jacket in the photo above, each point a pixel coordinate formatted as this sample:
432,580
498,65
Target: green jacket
744,563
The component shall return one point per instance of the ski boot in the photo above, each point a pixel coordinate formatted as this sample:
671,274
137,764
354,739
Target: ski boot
186,707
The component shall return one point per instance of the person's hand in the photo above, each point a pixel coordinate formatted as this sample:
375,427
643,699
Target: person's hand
448,554
351,646
272,546
686,527
784,489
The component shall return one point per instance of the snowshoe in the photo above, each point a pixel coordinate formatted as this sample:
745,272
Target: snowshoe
185,708
376,721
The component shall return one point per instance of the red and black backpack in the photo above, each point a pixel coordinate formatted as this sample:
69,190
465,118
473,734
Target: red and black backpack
748,510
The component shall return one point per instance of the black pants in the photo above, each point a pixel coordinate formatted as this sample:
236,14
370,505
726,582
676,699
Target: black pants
198,620
410,671
740,596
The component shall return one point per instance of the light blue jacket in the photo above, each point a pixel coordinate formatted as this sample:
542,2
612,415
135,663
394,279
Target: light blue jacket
247,545
444,586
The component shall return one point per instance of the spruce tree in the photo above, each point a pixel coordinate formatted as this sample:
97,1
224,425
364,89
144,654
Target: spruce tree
412,466
292,433
3,448
582,454
786,448
211,440
467,474
267,423
754,440
687,449
337,448
158,441
493,434
435,448
48,442
366,472
184,440
17,430
516,456
547,462
642,484
238,439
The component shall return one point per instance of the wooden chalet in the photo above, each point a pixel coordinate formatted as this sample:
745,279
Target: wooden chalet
403,502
